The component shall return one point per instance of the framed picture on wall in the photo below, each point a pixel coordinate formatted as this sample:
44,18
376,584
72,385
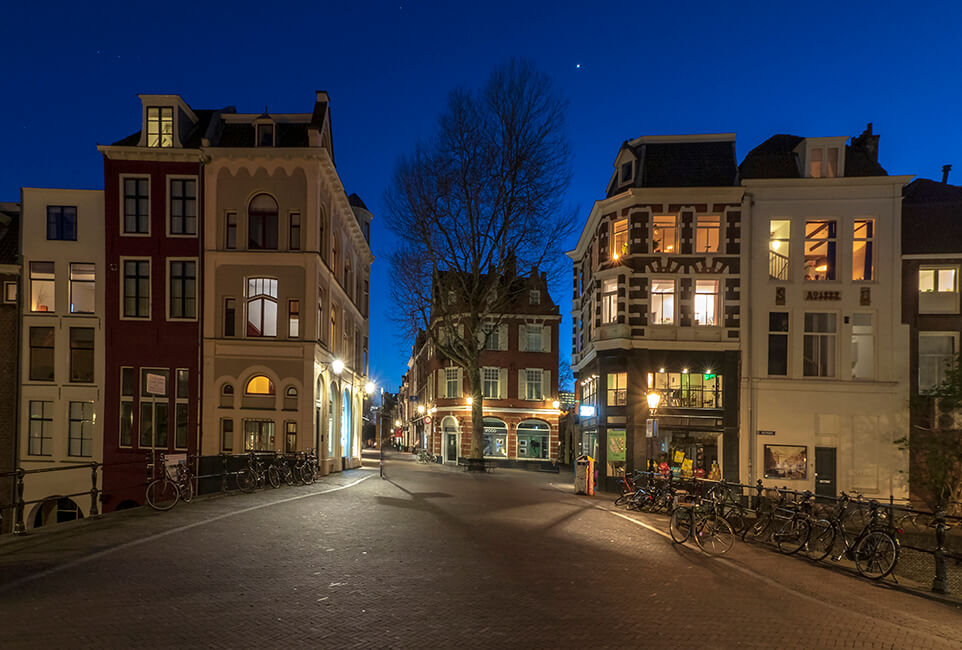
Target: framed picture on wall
786,462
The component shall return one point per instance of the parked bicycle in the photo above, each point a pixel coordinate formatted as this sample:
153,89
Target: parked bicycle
166,490
425,456
280,471
701,520
874,550
252,477
786,523
305,468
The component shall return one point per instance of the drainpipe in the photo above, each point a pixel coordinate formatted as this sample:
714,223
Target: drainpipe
749,202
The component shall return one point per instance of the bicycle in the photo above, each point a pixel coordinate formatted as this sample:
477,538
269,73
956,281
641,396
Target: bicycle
786,524
305,469
254,476
280,471
425,456
875,550
163,492
712,532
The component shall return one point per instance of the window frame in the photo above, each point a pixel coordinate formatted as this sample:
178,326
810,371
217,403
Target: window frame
71,282
784,334
7,297
78,350
609,301
127,398
486,381
155,403
619,390
33,271
674,302
716,301
293,318
123,288
954,337
226,427
619,231
534,377
263,225
53,353
294,226
702,225
775,252
182,178
832,253
674,230
869,242
170,286
872,335
160,124
230,228
60,222
45,421
260,296
834,349
85,441
123,205
181,403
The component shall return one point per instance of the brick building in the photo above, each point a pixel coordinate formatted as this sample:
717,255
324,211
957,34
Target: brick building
9,353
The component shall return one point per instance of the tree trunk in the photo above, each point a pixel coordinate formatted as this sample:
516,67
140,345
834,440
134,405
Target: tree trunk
476,456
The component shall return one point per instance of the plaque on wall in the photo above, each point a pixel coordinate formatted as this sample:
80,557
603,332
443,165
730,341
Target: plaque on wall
779,295
865,297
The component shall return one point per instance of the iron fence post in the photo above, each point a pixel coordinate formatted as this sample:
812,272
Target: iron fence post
223,472
18,526
940,584
93,490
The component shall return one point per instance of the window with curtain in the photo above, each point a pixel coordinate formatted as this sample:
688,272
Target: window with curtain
262,223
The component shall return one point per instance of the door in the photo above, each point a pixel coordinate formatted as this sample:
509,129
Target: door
452,455
825,471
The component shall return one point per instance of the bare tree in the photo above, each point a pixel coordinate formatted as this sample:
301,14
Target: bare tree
476,202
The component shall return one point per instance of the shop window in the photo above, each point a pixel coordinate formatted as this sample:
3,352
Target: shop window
259,385
616,448
938,290
707,233
690,389
664,234
83,283
154,408
863,248
534,438
42,353
779,242
80,438
82,354
778,343
495,438
821,240
937,352
706,302
863,346
42,287
258,435
617,388
40,442
662,302
819,345
127,384
589,391
619,239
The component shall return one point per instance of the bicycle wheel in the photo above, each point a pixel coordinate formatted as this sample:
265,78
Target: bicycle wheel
876,555
760,531
714,534
791,534
311,472
246,482
187,490
679,526
162,494
288,475
274,477
623,499
821,540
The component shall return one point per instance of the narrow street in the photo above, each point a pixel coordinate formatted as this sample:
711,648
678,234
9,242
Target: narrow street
430,557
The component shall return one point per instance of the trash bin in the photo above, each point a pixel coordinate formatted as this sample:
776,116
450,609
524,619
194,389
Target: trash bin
585,475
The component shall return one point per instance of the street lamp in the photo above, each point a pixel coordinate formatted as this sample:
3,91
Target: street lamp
337,366
555,404
653,397
654,400
397,423
420,409
369,388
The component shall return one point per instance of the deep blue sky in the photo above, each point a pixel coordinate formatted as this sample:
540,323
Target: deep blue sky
71,72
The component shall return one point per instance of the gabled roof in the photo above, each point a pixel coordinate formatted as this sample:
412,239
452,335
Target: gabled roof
680,161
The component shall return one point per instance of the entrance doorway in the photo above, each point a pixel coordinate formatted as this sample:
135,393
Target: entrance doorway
825,471
449,429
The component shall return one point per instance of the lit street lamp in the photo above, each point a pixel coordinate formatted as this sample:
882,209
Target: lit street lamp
653,397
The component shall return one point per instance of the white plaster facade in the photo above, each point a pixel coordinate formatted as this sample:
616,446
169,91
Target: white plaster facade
61,416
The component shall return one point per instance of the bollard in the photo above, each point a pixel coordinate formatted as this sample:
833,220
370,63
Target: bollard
940,584
758,494
223,473
18,526
93,490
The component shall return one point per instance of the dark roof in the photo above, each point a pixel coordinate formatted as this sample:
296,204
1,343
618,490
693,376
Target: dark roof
9,236
776,158
931,217
356,201
192,141
681,164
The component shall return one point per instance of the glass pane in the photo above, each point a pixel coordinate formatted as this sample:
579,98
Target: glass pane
926,280
146,424
160,424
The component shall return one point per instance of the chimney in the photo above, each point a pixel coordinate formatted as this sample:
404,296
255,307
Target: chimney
867,142
945,173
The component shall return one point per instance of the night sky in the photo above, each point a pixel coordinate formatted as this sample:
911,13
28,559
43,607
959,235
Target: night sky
71,74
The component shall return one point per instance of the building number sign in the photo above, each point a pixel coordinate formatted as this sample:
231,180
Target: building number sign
823,295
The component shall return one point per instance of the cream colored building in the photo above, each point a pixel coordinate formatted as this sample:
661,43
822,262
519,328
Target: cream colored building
62,350
286,285
826,390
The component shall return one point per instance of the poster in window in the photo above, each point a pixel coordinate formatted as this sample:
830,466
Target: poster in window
786,462
616,445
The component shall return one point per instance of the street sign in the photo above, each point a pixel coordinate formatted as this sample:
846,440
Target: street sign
651,428
766,433
586,411
427,419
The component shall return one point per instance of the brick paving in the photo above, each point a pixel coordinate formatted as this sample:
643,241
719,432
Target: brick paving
429,557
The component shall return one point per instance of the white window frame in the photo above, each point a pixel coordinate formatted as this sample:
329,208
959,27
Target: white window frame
10,297
821,335
674,228
716,299
160,122
486,380
123,205
45,421
70,287
703,225
154,401
452,374
674,302
167,303
935,301
609,301
615,253
150,288
247,303
534,379
872,335
775,249
168,204
52,282
85,436
954,336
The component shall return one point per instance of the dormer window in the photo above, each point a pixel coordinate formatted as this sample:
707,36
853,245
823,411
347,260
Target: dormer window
627,172
160,126
265,135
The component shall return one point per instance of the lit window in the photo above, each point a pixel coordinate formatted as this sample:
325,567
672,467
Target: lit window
819,345
937,280
83,282
160,126
619,239
706,302
609,300
259,385
258,435
820,253
863,248
261,307
617,388
293,318
707,233
938,290
495,438
690,389
664,236
662,302
863,347
533,387
532,337
779,239
823,162
42,285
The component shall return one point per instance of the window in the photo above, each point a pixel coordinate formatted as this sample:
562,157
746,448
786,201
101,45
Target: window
290,437
940,280
137,289
938,290
83,282
258,435
778,343
619,239
532,337
41,353
533,389
617,388
491,339
453,388
230,318
863,347
330,418
294,233
533,439
662,302
706,302
690,389
936,354
160,126
40,441
126,406
154,409
823,162
491,385
707,233
819,345
779,242
80,432
136,206
62,222
293,318
534,297
227,435
259,385
664,234
230,231
815,163
589,391
626,172
863,233
42,287
81,354
262,223
261,307
10,292
820,242
291,392
495,438
183,290
182,408
183,206
609,300
333,339
265,135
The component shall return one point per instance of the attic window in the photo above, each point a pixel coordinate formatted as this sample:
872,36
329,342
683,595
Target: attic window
627,170
160,126
265,135
823,162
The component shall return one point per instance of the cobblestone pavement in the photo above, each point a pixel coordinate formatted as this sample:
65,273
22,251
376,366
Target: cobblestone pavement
430,557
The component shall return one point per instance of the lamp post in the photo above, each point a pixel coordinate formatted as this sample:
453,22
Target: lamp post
653,397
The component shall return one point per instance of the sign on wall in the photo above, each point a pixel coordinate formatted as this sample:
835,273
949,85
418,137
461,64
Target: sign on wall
156,384
616,445
786,461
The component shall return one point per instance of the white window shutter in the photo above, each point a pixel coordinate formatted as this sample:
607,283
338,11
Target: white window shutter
460,383
502,383
522,384
503,336
546,338
546,391
443,388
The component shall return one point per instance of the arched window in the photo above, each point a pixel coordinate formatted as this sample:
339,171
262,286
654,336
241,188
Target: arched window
262,223
291,391
331,401
346,424
495,438
533,439
228,389
261,307
259,385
